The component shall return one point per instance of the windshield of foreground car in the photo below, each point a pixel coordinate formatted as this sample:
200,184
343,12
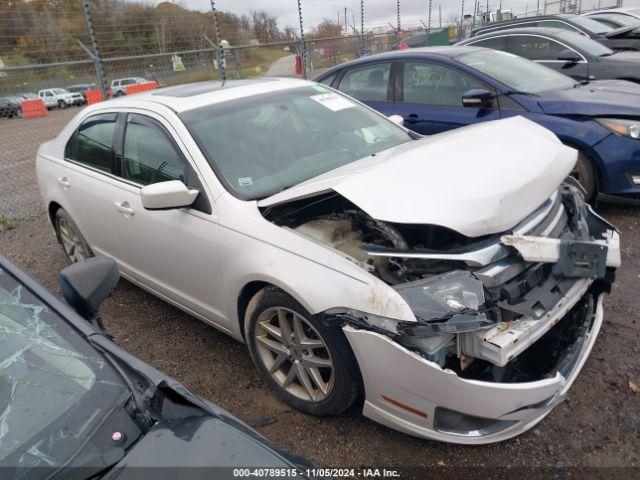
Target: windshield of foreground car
55,389
586,44
592,25
263,144
515,72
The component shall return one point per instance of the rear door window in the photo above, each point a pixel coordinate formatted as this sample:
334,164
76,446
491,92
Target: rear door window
92,143
369,83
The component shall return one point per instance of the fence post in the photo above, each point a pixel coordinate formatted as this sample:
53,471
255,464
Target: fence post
361,27
303,50
461,21
97,61
429,25
219,52
399,30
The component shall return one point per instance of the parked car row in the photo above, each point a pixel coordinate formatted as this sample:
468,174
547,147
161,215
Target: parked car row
73,95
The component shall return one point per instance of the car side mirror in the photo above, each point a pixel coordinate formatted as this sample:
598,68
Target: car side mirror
397,119
86,284
167,195
477,97
568,55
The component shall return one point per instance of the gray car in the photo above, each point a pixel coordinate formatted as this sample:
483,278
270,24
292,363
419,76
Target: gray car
567,52
75,405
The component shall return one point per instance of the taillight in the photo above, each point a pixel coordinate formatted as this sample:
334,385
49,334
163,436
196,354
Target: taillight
402,46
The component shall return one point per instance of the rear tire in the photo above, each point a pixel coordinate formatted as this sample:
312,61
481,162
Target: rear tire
584,172
308,364
74,245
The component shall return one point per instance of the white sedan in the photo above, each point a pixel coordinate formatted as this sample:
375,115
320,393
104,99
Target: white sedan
452,284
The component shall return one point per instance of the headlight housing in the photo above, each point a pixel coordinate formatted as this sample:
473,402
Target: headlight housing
621,126
443,304
449,303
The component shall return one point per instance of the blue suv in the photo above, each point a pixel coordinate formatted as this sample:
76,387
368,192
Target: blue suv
440,88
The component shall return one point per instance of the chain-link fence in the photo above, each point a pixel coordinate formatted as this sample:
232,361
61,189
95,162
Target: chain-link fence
79,45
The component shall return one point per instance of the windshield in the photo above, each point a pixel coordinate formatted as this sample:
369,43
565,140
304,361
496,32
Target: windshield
591,25
585,44
260,145
516,72
55,389
59,91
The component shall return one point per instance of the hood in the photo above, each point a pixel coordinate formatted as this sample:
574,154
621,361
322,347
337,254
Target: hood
623,58
476,180
599,98
197,443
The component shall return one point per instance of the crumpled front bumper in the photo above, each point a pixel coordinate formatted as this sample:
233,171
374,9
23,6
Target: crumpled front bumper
403,390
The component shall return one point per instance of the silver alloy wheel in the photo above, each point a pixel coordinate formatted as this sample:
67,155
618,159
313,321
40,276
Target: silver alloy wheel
294,354
72,241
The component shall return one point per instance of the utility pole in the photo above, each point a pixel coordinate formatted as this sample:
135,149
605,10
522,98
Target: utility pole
219,52
97,61
439,16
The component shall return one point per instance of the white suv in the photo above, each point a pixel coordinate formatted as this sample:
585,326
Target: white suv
60,98
119,86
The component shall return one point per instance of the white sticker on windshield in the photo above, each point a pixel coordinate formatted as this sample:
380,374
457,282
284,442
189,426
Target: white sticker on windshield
333,101
245,182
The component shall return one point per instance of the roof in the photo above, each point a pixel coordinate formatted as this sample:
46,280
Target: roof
189,96
496,25
549,31
450,51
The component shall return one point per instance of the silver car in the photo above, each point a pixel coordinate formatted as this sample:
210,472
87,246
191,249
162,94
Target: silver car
452,282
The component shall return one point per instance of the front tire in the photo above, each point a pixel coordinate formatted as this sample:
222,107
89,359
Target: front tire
73,243
308,364
584,172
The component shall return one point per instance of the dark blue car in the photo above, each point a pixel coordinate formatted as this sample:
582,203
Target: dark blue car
440,88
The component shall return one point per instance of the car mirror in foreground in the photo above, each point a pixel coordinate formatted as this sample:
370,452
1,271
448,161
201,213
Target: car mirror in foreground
397,119
167,195
86,284
477,97
567,55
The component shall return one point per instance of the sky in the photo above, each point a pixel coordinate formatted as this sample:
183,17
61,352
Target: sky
377,12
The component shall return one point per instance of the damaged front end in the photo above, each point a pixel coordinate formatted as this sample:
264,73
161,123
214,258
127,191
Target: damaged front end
509,308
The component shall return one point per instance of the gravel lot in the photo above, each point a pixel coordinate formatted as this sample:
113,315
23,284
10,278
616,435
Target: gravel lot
597,427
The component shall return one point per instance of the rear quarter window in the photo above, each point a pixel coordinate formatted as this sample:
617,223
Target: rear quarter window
92,143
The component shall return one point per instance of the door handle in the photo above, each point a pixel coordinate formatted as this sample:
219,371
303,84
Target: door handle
123,207
63,181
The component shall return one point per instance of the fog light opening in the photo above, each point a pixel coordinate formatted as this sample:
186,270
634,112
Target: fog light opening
456,423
